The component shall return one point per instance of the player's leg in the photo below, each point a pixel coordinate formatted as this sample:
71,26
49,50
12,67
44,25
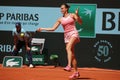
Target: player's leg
76,74
71,56
74,61
29,56
70,52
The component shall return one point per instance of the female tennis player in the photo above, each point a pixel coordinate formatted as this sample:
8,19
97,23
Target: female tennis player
71,36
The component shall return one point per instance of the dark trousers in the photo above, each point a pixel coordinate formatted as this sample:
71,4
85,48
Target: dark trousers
19,45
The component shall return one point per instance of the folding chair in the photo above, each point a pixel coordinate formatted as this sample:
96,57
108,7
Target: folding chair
37,45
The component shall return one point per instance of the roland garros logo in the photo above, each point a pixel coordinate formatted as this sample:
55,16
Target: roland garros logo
103,50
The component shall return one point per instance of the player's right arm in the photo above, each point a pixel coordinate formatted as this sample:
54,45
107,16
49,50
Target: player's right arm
55,26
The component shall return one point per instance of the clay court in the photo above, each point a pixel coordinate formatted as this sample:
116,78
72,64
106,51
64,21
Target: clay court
52,73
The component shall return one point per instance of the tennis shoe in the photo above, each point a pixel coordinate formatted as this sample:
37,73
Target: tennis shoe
68,68
75,75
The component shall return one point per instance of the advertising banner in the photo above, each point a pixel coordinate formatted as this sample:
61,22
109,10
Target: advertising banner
87,12
37,59
12,61
95,20
30,17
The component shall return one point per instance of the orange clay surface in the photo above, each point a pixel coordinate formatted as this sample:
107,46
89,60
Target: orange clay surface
51,73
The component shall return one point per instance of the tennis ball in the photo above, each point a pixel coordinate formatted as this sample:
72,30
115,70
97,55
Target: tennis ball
22,34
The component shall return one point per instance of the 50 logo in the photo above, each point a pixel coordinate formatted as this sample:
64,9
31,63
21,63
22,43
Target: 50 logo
103,49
